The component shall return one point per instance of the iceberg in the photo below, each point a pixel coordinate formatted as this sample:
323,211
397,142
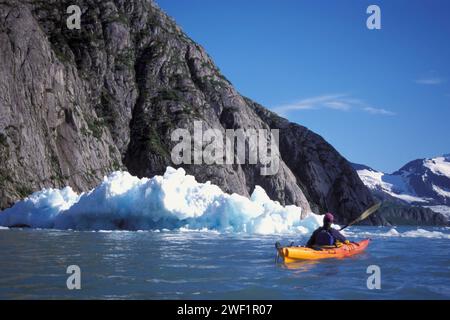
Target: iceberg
172,201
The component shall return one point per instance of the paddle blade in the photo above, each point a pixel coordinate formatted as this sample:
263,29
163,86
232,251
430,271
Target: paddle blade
364,215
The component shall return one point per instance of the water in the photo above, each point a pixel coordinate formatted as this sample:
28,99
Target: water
207,265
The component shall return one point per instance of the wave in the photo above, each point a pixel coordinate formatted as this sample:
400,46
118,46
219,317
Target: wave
172,201
418,233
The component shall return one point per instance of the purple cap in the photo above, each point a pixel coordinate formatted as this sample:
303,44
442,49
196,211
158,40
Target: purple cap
328,218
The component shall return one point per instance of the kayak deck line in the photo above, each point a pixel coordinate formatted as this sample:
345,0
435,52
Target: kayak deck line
291,254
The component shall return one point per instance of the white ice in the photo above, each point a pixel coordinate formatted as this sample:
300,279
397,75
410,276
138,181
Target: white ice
172,201
418,233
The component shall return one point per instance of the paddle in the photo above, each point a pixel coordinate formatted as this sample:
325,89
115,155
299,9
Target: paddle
364,215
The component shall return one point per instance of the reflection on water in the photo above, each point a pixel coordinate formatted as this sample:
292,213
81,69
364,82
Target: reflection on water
301,266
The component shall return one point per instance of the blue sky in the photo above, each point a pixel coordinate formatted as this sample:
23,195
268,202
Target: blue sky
380,97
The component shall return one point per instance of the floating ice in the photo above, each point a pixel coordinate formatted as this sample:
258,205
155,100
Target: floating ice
40,209
422,233
418,233
172,201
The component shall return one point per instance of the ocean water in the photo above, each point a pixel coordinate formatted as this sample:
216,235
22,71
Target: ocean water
414,264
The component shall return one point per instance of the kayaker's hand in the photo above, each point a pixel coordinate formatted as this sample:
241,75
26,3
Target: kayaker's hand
347,242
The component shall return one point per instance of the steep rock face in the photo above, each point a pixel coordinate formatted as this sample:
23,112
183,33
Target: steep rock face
329,180
47,125
77,104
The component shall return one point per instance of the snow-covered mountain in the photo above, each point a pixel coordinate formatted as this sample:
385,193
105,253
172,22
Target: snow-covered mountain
422,182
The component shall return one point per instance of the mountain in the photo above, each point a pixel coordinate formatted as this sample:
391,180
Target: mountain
79,104
429,179
420,183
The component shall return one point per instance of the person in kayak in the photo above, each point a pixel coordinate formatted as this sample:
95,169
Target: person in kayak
326,235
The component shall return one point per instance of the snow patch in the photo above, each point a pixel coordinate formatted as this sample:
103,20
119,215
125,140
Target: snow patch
444,210
394,185
441,192
439,166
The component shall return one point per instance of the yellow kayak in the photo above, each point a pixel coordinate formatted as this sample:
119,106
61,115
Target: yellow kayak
291,254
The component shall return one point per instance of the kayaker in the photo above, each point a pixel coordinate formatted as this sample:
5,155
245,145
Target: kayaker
326,235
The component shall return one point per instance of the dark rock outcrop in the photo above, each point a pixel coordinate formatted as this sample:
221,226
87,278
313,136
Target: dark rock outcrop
396,212
78,104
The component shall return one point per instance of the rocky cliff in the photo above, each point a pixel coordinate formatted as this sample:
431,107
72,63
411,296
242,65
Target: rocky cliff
78,104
